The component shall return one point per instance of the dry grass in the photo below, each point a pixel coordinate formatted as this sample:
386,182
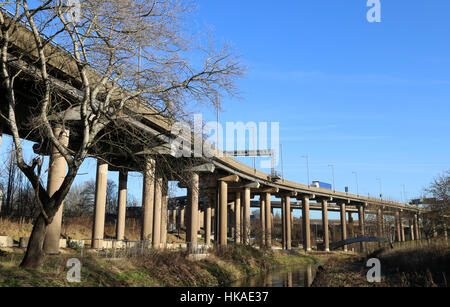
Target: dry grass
411,266
15,229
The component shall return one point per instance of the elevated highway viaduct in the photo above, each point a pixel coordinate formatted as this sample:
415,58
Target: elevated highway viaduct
224,182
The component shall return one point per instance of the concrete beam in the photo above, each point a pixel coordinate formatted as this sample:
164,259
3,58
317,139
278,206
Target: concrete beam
228,179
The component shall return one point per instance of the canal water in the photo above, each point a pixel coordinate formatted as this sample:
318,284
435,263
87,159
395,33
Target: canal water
296,276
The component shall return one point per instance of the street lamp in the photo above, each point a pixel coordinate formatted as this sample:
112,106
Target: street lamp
357,187
405,199
332,172
381,194
307,167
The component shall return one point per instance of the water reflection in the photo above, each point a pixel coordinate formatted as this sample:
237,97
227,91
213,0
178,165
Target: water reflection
299,276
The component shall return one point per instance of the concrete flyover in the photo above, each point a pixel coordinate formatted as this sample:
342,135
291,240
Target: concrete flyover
220,186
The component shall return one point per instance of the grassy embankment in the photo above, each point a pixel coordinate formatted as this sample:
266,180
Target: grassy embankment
152,270
410,265
155,269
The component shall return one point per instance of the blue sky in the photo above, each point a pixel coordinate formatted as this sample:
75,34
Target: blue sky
371,98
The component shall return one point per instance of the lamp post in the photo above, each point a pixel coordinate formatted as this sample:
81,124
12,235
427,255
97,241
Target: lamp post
357,187
332,172
381,193
405,198
307,168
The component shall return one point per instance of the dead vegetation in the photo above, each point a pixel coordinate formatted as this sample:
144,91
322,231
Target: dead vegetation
412,266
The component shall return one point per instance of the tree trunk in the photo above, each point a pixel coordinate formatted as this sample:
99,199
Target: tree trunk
35,255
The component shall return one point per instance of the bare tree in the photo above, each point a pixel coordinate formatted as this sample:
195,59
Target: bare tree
98,69
438,203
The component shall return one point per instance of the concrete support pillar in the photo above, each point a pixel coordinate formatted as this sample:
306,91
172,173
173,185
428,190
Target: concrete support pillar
411,229
343,225
246,221
122,205
174,216
237,218
350,224
326,234
361,221
164,212
292,219
380,223
416,227
156,234
192,207
223,215
242,217
398,226
435,233
231,220
182,210
262,214
283,224
148,198
56,175
100,204
306,224
208,219
287,201
268,221
402,228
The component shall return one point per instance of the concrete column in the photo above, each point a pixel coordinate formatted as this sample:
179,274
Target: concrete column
223,206
416,227
122,205
397,225
156,234
56,175
164,211
361,221
192,207
380,223
268,221
306,224
182,217
411,228
283,224
435,234
262,214
100,204
208,220
343,225
350,224
237,218
246,221
326,234
174,216
402,229
242,217
287,201
231,220
148,198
